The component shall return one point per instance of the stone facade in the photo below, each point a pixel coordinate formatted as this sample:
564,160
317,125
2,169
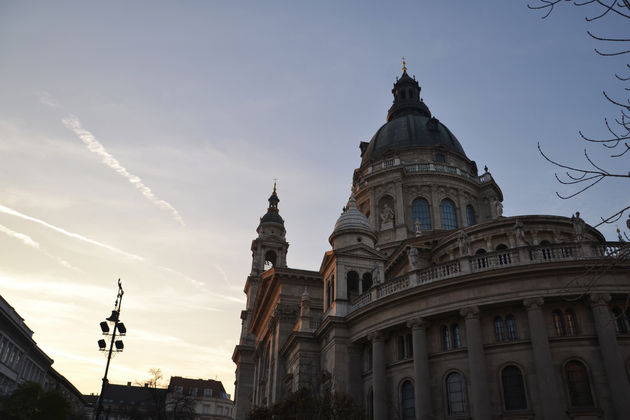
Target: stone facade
433,305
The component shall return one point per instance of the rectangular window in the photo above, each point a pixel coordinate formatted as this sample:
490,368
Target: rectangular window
179,389
207,392
206,409
193,392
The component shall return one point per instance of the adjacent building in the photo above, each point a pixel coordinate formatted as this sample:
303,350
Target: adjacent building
203,399
432,304
21,360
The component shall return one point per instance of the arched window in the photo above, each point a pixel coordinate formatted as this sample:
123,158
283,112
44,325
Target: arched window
439,157
449,216
499,329
579,385
571,323
470,215
513,388
270,260
457,339
352,279
366,282
446,338
455,394
407,403
330,291
620,325
420,211
558,324
510,323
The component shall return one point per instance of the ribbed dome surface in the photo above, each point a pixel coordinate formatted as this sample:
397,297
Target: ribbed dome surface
410,131
352,220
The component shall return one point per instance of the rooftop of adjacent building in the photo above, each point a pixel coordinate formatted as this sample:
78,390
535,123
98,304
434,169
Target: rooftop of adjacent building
200,385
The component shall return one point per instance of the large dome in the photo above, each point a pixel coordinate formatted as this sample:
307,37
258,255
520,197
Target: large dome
409,131
409,124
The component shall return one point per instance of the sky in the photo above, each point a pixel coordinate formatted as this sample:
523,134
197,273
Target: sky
140,140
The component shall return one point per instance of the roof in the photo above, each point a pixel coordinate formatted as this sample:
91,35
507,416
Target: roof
352,220
129,394
409,124
411,131
218,391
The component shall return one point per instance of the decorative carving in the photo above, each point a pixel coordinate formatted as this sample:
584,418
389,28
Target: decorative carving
418,324
499,208
387,217
464,245
470,312
412,254
520,233
533,303
600,299
578,226
376,336
416,227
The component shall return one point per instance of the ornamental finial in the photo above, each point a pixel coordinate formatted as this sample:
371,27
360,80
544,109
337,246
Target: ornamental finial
404,64
275,180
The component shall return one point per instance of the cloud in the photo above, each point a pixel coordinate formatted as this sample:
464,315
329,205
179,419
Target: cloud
27,240
72,122
6,210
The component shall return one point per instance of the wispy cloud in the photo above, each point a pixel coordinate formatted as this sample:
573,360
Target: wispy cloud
28,241
72,122
6,210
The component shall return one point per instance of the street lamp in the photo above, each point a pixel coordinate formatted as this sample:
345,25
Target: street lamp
119,328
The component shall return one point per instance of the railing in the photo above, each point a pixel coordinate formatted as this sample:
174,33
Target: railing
392,287
314,323
438,272
492,261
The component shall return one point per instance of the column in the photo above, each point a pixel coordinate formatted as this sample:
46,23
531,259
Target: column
613,363
546,381
477,364
379,389
422,388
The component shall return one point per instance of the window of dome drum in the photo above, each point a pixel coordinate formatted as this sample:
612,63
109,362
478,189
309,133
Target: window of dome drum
420,212
440,158
449,216
470,215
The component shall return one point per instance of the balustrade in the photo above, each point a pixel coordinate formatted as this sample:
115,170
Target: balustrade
490,261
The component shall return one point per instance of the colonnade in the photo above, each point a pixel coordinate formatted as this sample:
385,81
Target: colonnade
547,382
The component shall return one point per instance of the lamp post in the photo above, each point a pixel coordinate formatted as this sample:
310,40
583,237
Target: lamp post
119,328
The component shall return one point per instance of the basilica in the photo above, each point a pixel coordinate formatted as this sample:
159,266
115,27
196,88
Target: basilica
430,303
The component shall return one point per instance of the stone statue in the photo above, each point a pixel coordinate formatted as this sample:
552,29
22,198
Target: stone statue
416,227
499,208
412,254
520,233
463,243
387,215
377,275
578,226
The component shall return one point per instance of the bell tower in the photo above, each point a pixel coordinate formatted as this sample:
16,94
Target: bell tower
269,249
